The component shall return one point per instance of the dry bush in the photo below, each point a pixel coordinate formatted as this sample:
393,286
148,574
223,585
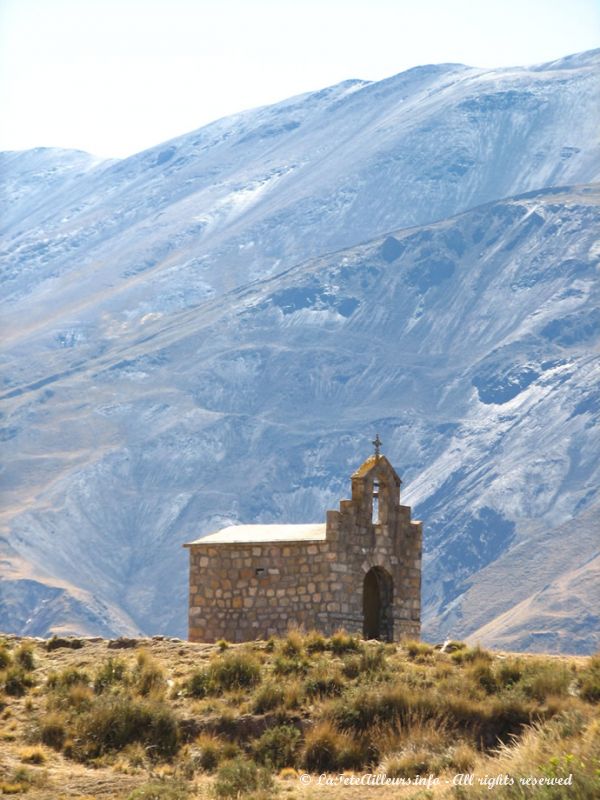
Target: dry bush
5,656
58,641
290,665
324,680
278,747
148,675
566,745
15,681
344,642
24,656
470,654
411,763
326,749
161,790
53,729
589,680
209,751
113,672
234,670
268,697
542,679
32,755
463,757
240,776
293,695
480,673
198,684
70,676
293,644
315,642
115,721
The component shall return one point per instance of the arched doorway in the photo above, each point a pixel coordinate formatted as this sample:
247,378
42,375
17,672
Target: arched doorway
378,595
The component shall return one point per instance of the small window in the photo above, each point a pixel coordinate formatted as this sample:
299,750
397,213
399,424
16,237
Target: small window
375,518
260,571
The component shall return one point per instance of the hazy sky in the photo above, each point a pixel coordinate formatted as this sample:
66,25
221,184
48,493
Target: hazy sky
117,76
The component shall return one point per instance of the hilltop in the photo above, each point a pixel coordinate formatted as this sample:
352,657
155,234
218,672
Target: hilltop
163,719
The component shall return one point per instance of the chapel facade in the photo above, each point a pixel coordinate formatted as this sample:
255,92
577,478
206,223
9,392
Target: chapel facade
361,570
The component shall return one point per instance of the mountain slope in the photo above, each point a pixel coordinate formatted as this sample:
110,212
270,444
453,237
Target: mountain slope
106,244
470,344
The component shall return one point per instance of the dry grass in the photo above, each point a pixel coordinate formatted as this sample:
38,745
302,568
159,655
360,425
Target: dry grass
179,720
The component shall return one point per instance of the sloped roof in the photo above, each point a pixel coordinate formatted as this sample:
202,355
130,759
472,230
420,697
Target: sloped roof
370,463
249,534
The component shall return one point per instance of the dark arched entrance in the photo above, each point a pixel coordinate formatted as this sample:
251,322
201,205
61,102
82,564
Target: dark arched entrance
378,595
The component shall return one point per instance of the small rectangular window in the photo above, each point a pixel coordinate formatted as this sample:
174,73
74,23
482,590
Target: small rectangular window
260,571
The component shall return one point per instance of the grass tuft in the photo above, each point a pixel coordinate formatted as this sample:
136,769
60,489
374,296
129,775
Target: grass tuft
240,776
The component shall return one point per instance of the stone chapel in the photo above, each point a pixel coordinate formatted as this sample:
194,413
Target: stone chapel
361,570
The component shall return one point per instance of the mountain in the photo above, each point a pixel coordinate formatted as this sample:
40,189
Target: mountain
210,332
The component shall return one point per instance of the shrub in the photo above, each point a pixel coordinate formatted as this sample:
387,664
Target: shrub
315,642
481,675
509,672
417,650
278,747
20,781
24,656
373,660
148,676
55,642
67,678
112,672
222,644
541,679
118,720
209,752
53,730
364,708
496,719
323,681
198,684
160,790
5,657
411,763
351,667
235,670
327,750
268,697
293,645
463,758
589,681
240,776
32,755
288,774
15,681
470,654
343,642
78,697
283,665
293,694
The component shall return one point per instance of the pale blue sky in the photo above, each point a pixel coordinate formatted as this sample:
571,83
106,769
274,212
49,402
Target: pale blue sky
116,76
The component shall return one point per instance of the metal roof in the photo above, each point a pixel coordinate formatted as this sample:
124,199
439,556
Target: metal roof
252,534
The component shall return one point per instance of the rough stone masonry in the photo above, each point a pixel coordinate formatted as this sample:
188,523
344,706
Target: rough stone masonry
360,571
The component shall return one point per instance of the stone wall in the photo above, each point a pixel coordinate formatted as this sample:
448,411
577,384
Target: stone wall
241,592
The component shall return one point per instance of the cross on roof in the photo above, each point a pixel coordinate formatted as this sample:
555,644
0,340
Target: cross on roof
377,444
